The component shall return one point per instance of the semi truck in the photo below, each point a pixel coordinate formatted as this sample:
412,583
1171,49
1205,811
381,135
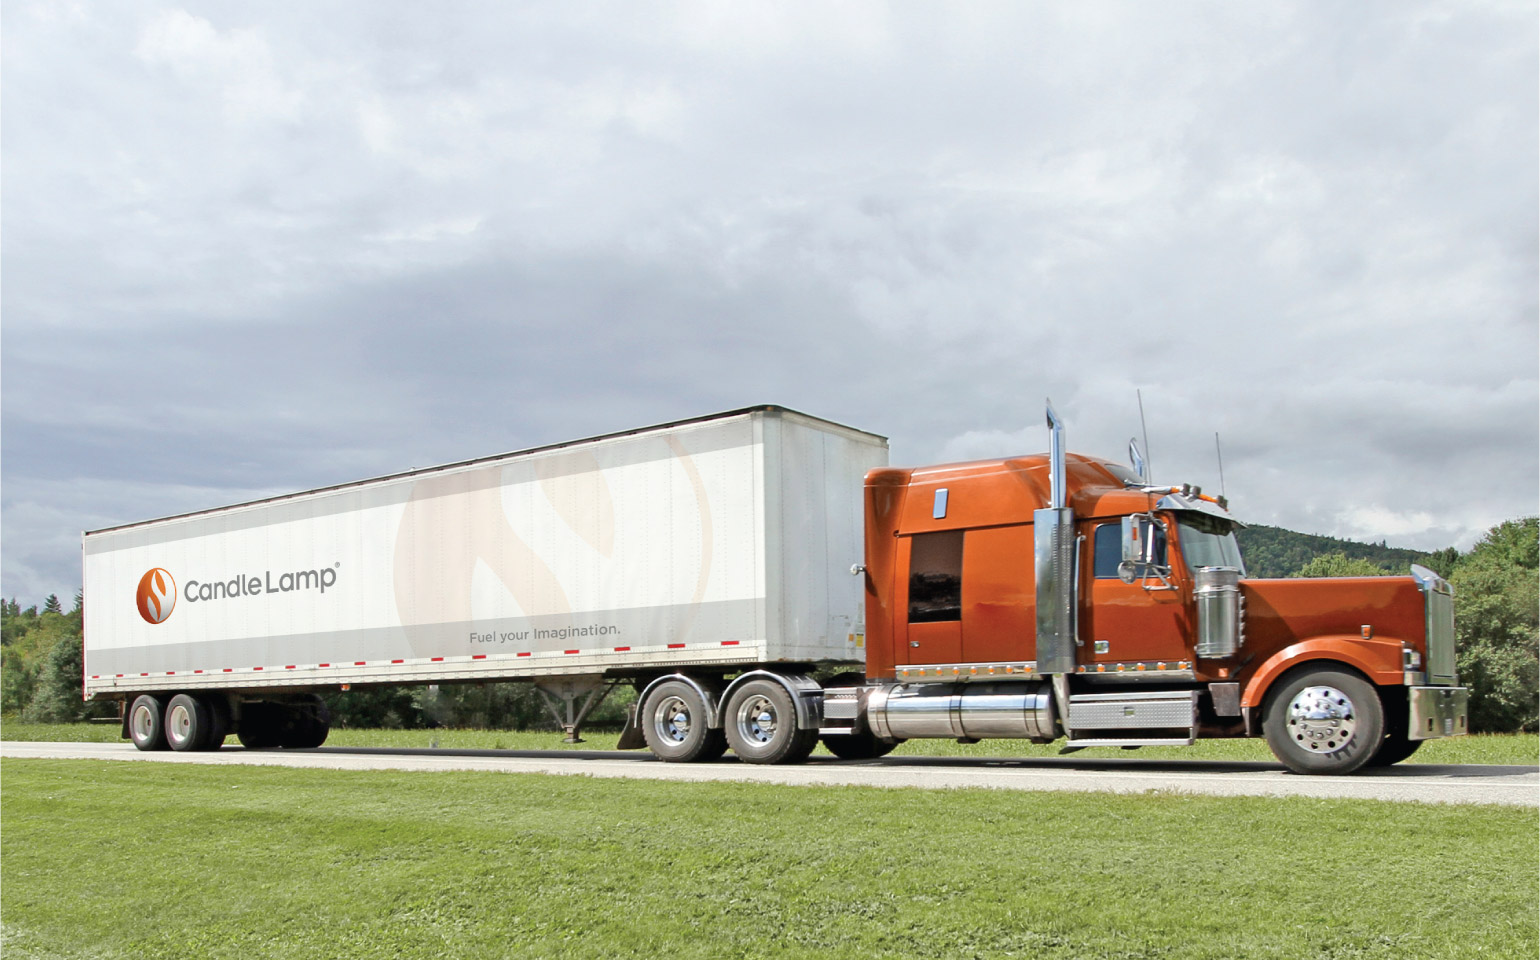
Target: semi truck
765,581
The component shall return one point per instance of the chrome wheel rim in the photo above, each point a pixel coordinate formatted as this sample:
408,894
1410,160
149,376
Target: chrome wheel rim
672,720
1322,720
143,723
757,720
179,724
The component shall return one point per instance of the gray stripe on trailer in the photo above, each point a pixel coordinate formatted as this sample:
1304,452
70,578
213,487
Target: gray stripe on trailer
694,623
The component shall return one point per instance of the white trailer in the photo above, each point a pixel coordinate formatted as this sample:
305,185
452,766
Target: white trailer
672,556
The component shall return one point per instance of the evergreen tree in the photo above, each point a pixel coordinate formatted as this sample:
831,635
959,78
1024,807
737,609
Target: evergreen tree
51,605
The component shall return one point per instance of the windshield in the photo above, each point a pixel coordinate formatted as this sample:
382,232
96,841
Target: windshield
1209,542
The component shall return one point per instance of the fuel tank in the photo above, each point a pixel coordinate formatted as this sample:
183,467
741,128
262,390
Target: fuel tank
1015,711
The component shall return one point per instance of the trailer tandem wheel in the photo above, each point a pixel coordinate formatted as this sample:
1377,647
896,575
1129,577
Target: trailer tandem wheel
219,721
147,723
189,723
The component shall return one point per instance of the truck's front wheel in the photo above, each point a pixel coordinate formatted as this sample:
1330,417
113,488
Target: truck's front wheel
1395,747
1323,721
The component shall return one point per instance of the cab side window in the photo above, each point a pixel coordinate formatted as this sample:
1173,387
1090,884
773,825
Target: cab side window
1109,551
935,577
1158,532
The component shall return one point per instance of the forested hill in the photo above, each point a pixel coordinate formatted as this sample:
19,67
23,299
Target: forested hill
1276,552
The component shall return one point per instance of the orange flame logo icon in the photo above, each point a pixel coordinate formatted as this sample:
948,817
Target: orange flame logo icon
156,595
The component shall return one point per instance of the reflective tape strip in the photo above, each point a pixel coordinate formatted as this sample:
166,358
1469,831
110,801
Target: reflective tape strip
571,651
398,661
436,659
360,663
289,667
478,656
729,643
323,664
521,654
622,649
676,646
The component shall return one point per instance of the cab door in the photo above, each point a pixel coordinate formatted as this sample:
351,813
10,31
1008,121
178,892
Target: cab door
1139,622
999,595
930,598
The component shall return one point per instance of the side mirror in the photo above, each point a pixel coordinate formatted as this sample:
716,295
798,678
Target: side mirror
1136,531
1128,571
1140,552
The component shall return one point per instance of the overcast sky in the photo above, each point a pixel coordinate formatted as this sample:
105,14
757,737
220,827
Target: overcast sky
256,248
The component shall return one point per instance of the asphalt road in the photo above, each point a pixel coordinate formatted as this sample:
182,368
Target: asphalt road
1421,783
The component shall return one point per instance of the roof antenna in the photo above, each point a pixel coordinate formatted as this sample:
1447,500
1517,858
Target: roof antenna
1220,454
1148,460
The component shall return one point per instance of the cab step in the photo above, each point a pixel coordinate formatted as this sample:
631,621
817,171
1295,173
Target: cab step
1080,743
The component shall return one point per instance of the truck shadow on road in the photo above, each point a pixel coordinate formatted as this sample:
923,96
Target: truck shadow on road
1060,764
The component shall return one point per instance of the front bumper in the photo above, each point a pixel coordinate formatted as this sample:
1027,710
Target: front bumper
1437,712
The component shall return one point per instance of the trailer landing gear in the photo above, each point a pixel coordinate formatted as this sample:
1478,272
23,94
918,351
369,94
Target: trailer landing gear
561,698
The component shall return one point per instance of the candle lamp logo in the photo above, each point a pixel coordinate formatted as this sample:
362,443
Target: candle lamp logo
156,595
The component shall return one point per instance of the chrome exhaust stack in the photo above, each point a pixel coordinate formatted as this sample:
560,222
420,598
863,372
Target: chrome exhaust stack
1055,555
1056,492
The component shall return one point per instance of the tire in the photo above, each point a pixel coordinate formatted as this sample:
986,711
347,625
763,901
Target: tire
219,722
855,746
147,723
1395,747
258,727
306,724
761,725
674,724
1393,750
858,746
1323,721
188,723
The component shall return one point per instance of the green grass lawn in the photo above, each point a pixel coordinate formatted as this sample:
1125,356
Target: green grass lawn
149,860
1523,748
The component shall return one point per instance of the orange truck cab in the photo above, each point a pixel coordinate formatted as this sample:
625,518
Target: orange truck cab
1063,595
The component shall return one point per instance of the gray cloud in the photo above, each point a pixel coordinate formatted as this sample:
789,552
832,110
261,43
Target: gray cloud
249,250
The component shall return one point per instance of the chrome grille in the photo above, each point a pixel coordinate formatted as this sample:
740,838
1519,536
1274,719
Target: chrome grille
1440,602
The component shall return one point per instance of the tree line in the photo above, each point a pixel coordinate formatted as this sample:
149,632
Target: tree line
1497,621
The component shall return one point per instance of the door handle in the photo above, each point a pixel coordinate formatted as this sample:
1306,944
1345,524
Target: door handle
914,643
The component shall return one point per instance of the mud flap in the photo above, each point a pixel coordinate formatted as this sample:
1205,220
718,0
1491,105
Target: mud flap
631,735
